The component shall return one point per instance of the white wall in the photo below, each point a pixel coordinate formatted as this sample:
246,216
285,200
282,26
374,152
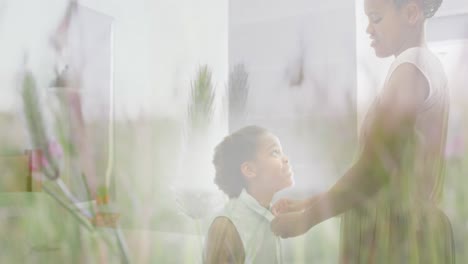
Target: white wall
275,40
24,29
452,7
157,47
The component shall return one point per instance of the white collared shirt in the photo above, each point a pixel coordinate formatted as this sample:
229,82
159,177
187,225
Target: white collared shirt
252,222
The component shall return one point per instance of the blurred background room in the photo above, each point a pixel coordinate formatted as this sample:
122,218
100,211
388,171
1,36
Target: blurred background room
110,111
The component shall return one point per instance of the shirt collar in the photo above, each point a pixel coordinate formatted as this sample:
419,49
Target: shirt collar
254,205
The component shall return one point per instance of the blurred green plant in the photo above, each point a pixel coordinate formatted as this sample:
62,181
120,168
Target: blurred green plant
201,102
455,203
35,122
238,92
37,128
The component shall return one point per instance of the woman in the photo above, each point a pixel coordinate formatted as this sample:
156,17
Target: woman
250,168
389,196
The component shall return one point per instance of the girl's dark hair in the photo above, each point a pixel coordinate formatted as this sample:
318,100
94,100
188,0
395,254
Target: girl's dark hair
234,150
430,6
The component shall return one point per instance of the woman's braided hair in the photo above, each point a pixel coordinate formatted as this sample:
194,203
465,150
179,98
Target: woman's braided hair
430,7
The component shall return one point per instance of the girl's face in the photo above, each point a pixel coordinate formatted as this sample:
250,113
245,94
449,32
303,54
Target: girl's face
271,166
389,26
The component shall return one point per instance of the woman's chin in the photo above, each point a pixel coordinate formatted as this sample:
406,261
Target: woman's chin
381,53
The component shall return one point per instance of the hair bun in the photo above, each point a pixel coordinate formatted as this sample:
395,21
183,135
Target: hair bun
431,7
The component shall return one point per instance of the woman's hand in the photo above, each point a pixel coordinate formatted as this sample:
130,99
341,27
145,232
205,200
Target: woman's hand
290,224
285,205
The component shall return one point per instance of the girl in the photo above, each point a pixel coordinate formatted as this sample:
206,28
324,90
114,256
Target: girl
250,168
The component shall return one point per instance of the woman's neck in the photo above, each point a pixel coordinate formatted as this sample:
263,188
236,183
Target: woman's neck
263,198
416,39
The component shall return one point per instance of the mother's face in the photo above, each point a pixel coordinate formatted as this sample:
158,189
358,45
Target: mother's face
386,27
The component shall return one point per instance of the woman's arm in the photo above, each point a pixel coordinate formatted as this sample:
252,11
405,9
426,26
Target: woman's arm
393,126
287,205
357,185
223,244
350,190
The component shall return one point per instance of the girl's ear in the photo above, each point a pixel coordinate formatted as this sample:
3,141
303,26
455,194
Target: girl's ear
248,170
